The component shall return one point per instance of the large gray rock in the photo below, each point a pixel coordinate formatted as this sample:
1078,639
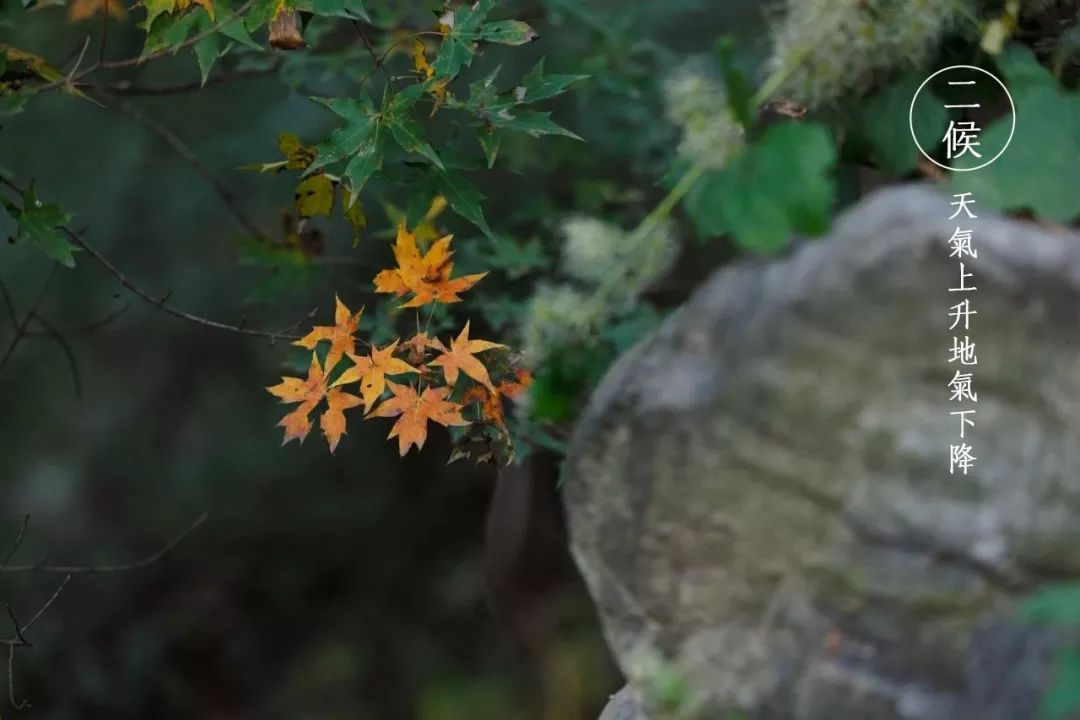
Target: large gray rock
759,493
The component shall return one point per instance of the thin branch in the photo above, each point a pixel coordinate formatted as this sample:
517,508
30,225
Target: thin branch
20,329
192,159
18,542
19,638
11,681
48,603
52,332
20,641
104,31
89,327
371,48
8,303
288,333
123,567
130,89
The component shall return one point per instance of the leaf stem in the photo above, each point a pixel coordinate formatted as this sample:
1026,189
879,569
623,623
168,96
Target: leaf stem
668,203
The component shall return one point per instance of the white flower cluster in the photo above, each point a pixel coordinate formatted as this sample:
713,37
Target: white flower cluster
830,48
612,269
698,105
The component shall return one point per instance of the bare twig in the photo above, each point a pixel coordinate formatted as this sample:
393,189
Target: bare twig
17,544
89,327
370,48
128,88
48,603
20,328
192,159
288,333
104,31
52,332
8,303
147,561
20,641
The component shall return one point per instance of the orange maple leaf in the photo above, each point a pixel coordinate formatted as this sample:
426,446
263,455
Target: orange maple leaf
417,346
413,412
428,276
85,9
340,335
309,392
490,401
332,421
371,371
460,356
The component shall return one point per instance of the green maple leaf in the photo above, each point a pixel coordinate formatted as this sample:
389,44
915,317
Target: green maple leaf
468,26
41,224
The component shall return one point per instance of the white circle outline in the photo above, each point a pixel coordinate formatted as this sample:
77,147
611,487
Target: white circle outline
911,117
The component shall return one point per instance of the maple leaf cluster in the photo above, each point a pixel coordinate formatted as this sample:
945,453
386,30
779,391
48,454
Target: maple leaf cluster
430,386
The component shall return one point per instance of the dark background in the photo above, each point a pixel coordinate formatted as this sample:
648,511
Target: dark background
358,585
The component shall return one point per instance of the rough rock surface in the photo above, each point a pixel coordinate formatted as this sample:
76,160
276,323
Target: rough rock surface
759,493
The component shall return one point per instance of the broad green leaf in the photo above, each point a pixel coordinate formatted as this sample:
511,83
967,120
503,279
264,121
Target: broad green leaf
884,122
776,187
235,29
1062,700
1054,605
1023,72
336,8
40,223
530,122
207,51
456,51
409,135
1039,171
490,141
464,198
740,96
367,161
507,32
537,86
355,134
260,13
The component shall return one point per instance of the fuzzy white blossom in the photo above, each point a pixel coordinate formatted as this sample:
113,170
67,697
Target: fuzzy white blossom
589,246
698,105
830,48
559,316
616,262
613,268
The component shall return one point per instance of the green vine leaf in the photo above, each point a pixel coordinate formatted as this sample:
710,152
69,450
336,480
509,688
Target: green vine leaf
1027,176
776,187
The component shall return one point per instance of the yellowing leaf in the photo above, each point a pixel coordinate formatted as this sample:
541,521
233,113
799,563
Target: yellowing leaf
413,411
420,61
354,213
85,9
340,335
461,357
371,372
314,196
